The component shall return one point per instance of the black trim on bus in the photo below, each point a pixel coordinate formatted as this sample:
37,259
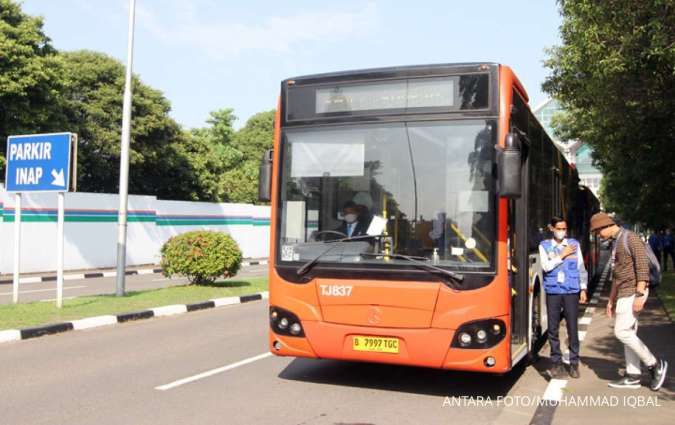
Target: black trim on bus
394,73
472,280
364,119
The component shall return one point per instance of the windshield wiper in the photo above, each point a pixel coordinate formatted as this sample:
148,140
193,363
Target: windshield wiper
311,263
457,277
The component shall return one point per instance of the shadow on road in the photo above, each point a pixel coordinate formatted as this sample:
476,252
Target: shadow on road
656,331
406,379
227,284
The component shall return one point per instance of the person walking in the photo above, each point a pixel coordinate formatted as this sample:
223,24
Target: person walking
655,242
668,249
565,281
630,280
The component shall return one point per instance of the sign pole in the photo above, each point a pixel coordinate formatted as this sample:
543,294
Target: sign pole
39,163
124,161
59,250
17,247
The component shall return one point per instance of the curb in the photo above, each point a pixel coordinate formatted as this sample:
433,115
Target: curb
98,321
93,275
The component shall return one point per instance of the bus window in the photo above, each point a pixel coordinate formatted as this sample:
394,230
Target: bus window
431,183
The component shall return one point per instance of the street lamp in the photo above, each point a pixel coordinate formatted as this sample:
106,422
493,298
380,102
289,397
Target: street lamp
124,160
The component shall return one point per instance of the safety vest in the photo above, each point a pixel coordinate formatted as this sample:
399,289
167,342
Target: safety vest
564,278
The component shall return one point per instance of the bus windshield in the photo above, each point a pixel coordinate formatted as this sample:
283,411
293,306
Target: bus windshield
423,189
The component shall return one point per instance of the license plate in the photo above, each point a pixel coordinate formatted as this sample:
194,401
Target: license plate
375,344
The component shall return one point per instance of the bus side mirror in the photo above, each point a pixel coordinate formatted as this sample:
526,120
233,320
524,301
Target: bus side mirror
509,166
265,177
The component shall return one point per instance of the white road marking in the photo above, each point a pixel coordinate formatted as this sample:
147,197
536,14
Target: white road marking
42,290
212,372
554,389
145,271
54,299
73,277
582,335
585,320
109,274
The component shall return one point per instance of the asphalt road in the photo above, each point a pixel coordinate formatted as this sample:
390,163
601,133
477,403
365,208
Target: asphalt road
46,291
213,366
110,376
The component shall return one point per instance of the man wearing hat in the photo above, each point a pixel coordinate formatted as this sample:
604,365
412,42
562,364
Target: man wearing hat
630,280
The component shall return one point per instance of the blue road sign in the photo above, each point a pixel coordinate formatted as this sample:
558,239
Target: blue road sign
38,163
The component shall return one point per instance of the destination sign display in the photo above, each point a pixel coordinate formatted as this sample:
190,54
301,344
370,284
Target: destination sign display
402,94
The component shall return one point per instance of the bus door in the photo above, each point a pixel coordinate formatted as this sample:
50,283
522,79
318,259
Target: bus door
519,275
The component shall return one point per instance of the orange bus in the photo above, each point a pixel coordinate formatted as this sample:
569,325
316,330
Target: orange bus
407,204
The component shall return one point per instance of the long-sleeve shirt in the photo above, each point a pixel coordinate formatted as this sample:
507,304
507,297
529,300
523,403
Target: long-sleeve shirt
550,263
630,267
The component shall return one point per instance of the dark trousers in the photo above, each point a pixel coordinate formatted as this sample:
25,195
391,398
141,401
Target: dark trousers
559,306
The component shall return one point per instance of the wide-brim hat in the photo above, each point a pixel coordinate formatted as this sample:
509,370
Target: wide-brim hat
600,220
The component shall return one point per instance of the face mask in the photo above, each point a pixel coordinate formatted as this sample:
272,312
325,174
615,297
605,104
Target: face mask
559,234
350,218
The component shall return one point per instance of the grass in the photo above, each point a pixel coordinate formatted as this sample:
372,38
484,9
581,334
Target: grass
17,316
666,291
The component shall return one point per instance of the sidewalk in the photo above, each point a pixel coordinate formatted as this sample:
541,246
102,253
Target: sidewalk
601,359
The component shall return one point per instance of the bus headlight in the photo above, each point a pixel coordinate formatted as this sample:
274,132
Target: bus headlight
296,328
487,333
283,322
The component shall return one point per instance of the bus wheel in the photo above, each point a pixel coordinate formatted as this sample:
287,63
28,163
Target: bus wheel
536,329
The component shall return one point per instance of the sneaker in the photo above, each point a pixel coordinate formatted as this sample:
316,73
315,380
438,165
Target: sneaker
574,371
557,371
628,381
658,372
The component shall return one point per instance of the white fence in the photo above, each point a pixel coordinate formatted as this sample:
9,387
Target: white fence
91,229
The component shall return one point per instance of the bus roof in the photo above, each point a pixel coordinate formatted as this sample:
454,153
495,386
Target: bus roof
407,69
402,71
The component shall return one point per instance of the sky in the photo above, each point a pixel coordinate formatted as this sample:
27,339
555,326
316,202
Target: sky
206,55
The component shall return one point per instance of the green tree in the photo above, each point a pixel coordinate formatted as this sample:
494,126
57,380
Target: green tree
29,70
91,99
225,161
251,140
256,136
212,156
615,75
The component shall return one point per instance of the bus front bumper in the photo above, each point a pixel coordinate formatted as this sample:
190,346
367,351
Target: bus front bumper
427,347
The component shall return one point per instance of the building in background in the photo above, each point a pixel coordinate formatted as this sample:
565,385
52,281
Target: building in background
576,152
